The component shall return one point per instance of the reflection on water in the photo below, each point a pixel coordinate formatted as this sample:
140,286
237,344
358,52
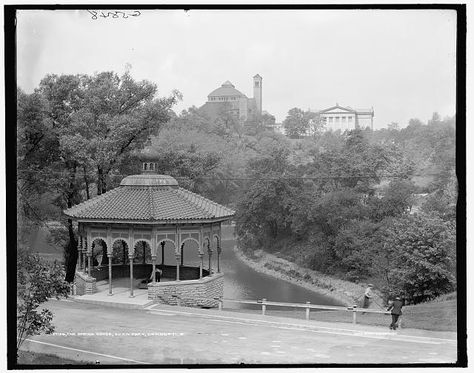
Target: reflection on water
242,282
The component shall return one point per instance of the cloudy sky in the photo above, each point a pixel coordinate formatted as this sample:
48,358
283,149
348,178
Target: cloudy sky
401,63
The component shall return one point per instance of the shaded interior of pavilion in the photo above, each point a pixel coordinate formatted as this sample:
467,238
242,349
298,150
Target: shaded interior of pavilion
190,265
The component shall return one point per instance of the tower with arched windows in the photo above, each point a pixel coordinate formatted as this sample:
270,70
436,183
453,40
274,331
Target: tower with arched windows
257,92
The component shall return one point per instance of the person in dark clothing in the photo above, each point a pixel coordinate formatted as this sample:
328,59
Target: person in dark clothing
158,273
396,311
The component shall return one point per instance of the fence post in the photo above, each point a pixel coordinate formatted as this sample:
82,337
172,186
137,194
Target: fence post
220,303
354,314
264,307
400,321
307,311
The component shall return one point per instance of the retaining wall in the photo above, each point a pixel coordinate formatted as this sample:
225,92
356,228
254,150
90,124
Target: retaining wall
192,293
85,284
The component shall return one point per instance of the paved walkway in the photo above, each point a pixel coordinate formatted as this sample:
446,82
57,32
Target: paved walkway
120,297
173,335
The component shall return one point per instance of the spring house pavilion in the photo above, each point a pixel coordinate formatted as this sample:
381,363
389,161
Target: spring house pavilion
129,223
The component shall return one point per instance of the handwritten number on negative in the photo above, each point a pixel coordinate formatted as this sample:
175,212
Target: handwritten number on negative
114,14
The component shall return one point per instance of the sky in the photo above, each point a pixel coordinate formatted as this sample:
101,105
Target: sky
400,62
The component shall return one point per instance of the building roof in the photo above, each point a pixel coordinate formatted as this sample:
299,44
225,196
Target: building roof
149,199
348,109
345,109
226,89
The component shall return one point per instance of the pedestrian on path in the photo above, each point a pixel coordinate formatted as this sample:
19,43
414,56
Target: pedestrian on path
396,308
368,295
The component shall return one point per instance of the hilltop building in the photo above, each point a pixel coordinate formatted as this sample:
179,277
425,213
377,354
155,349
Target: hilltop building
346,118
227,98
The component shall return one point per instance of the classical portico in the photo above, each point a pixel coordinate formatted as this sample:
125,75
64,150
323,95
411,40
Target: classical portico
128,228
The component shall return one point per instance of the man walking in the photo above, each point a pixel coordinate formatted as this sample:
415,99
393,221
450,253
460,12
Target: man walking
396,308
368,296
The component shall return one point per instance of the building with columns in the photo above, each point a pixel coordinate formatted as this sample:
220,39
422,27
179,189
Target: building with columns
227,98
346,118
130,228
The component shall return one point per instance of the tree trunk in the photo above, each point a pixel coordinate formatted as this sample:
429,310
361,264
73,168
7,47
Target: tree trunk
101,184
86,181
71,254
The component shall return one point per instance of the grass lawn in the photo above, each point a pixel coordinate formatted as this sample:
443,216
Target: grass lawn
35,358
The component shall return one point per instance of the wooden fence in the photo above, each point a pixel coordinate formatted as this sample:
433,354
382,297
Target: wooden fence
304,306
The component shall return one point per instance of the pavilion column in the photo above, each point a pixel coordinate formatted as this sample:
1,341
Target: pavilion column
110,273
83,253
218,257
182,254
153,268
130,258
88,250
201,258
89,256
209,252
178,259
162,252
79,257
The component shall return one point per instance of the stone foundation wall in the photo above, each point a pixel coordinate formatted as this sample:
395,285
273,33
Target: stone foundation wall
85,284
191,293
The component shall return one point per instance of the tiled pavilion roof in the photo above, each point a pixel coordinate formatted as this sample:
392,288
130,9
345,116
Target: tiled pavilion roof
149,198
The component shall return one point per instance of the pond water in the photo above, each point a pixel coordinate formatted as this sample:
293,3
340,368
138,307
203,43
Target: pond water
243,282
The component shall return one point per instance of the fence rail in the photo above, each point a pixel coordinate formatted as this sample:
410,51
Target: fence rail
306,306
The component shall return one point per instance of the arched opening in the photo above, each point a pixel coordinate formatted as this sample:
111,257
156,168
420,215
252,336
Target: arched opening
166,253
190,253
119,252
99,253
142,252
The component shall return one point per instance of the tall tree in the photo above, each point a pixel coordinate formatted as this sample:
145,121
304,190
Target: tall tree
94,122
114,116
299,122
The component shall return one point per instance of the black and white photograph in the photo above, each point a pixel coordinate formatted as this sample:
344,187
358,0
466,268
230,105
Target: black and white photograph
235,186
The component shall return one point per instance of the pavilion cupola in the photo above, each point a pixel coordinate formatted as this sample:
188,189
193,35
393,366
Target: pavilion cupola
148,167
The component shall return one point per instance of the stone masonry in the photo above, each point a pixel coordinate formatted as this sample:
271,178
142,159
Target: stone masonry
85,284
190,293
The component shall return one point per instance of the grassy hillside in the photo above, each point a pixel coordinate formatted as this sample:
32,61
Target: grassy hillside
35,358
436,315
